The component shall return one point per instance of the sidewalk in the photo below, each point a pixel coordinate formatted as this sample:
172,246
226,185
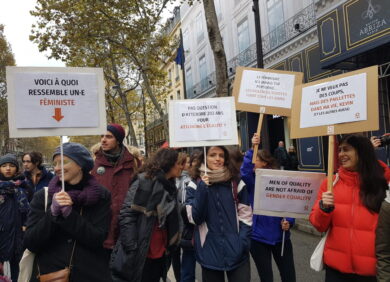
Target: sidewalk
305,226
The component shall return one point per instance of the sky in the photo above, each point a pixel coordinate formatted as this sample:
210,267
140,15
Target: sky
14,14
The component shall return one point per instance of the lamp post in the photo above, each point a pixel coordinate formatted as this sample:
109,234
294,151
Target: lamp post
260,64
259,42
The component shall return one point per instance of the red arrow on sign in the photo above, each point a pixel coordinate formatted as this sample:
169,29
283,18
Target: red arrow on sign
57,114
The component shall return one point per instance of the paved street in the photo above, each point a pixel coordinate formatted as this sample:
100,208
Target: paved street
303,244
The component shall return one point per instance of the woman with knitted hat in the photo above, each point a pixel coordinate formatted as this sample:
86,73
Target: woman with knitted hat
70,231
14,206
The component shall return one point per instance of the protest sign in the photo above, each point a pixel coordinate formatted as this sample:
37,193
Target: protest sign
202,122
286,193
341,104
265,91
55,101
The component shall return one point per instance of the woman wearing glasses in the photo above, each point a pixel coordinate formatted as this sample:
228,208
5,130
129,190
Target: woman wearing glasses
69,232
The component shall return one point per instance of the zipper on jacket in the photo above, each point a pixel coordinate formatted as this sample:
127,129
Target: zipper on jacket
351,228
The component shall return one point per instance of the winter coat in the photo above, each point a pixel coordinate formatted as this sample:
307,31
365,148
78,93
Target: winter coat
52,238
136,224
265,229
350,245
188,228
117,179
222,234
14,206
44,180
281,155
382,242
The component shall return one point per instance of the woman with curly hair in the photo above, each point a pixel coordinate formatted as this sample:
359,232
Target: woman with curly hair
149,221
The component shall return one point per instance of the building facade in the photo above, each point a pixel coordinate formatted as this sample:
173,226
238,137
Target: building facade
319,38
172,66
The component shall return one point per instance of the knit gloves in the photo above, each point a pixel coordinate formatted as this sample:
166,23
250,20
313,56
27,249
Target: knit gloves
57,210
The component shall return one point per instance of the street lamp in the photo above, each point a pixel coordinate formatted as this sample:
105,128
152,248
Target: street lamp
259,43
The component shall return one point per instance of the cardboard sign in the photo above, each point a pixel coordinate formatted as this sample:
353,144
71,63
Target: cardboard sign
340,104
265,91
202,122
286,193
55,101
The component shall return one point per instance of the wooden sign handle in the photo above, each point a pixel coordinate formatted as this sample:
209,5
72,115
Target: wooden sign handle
256,148
330,162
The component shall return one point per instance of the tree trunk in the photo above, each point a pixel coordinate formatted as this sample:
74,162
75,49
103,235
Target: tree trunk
155,102
124,104
215,38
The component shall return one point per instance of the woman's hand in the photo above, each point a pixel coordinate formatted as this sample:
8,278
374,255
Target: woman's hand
285,224
205,179
376,142
63,199
328,199
255,139
62,204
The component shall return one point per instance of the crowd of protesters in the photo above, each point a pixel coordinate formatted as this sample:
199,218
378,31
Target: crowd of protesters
113,216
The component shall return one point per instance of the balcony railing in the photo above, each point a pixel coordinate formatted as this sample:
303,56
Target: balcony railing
202,86
300,22
245,58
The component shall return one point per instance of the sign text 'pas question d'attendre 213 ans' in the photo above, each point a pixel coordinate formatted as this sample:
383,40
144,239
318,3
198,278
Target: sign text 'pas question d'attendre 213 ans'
202,122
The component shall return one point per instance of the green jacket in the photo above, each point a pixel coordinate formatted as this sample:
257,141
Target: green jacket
382,243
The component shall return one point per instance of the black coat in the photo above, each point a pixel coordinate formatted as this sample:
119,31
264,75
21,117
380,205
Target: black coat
52,238
136,227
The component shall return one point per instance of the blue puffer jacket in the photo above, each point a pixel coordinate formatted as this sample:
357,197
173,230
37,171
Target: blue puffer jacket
43,181
266,229
222,234
14,206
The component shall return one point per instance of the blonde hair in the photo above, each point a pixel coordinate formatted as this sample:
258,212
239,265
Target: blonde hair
94,149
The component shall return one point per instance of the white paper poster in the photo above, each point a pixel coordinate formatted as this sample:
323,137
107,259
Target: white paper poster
266,89
339,101
55,101
202,121
286,193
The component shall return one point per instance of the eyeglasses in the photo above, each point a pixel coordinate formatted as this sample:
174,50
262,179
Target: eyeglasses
66,162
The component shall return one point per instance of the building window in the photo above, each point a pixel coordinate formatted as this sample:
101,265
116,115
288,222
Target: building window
275,21
170,77
203,72
218,9
186,42
243,35
178,95
177,72
199,28
189,83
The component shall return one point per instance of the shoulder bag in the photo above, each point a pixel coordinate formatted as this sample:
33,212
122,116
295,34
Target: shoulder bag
26,264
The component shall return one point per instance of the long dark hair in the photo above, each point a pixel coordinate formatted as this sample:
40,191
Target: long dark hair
265,156
373,184
234,172
162,161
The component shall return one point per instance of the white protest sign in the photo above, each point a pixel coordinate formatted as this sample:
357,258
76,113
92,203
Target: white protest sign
266,88
286,193
339,101
202,122
55,101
